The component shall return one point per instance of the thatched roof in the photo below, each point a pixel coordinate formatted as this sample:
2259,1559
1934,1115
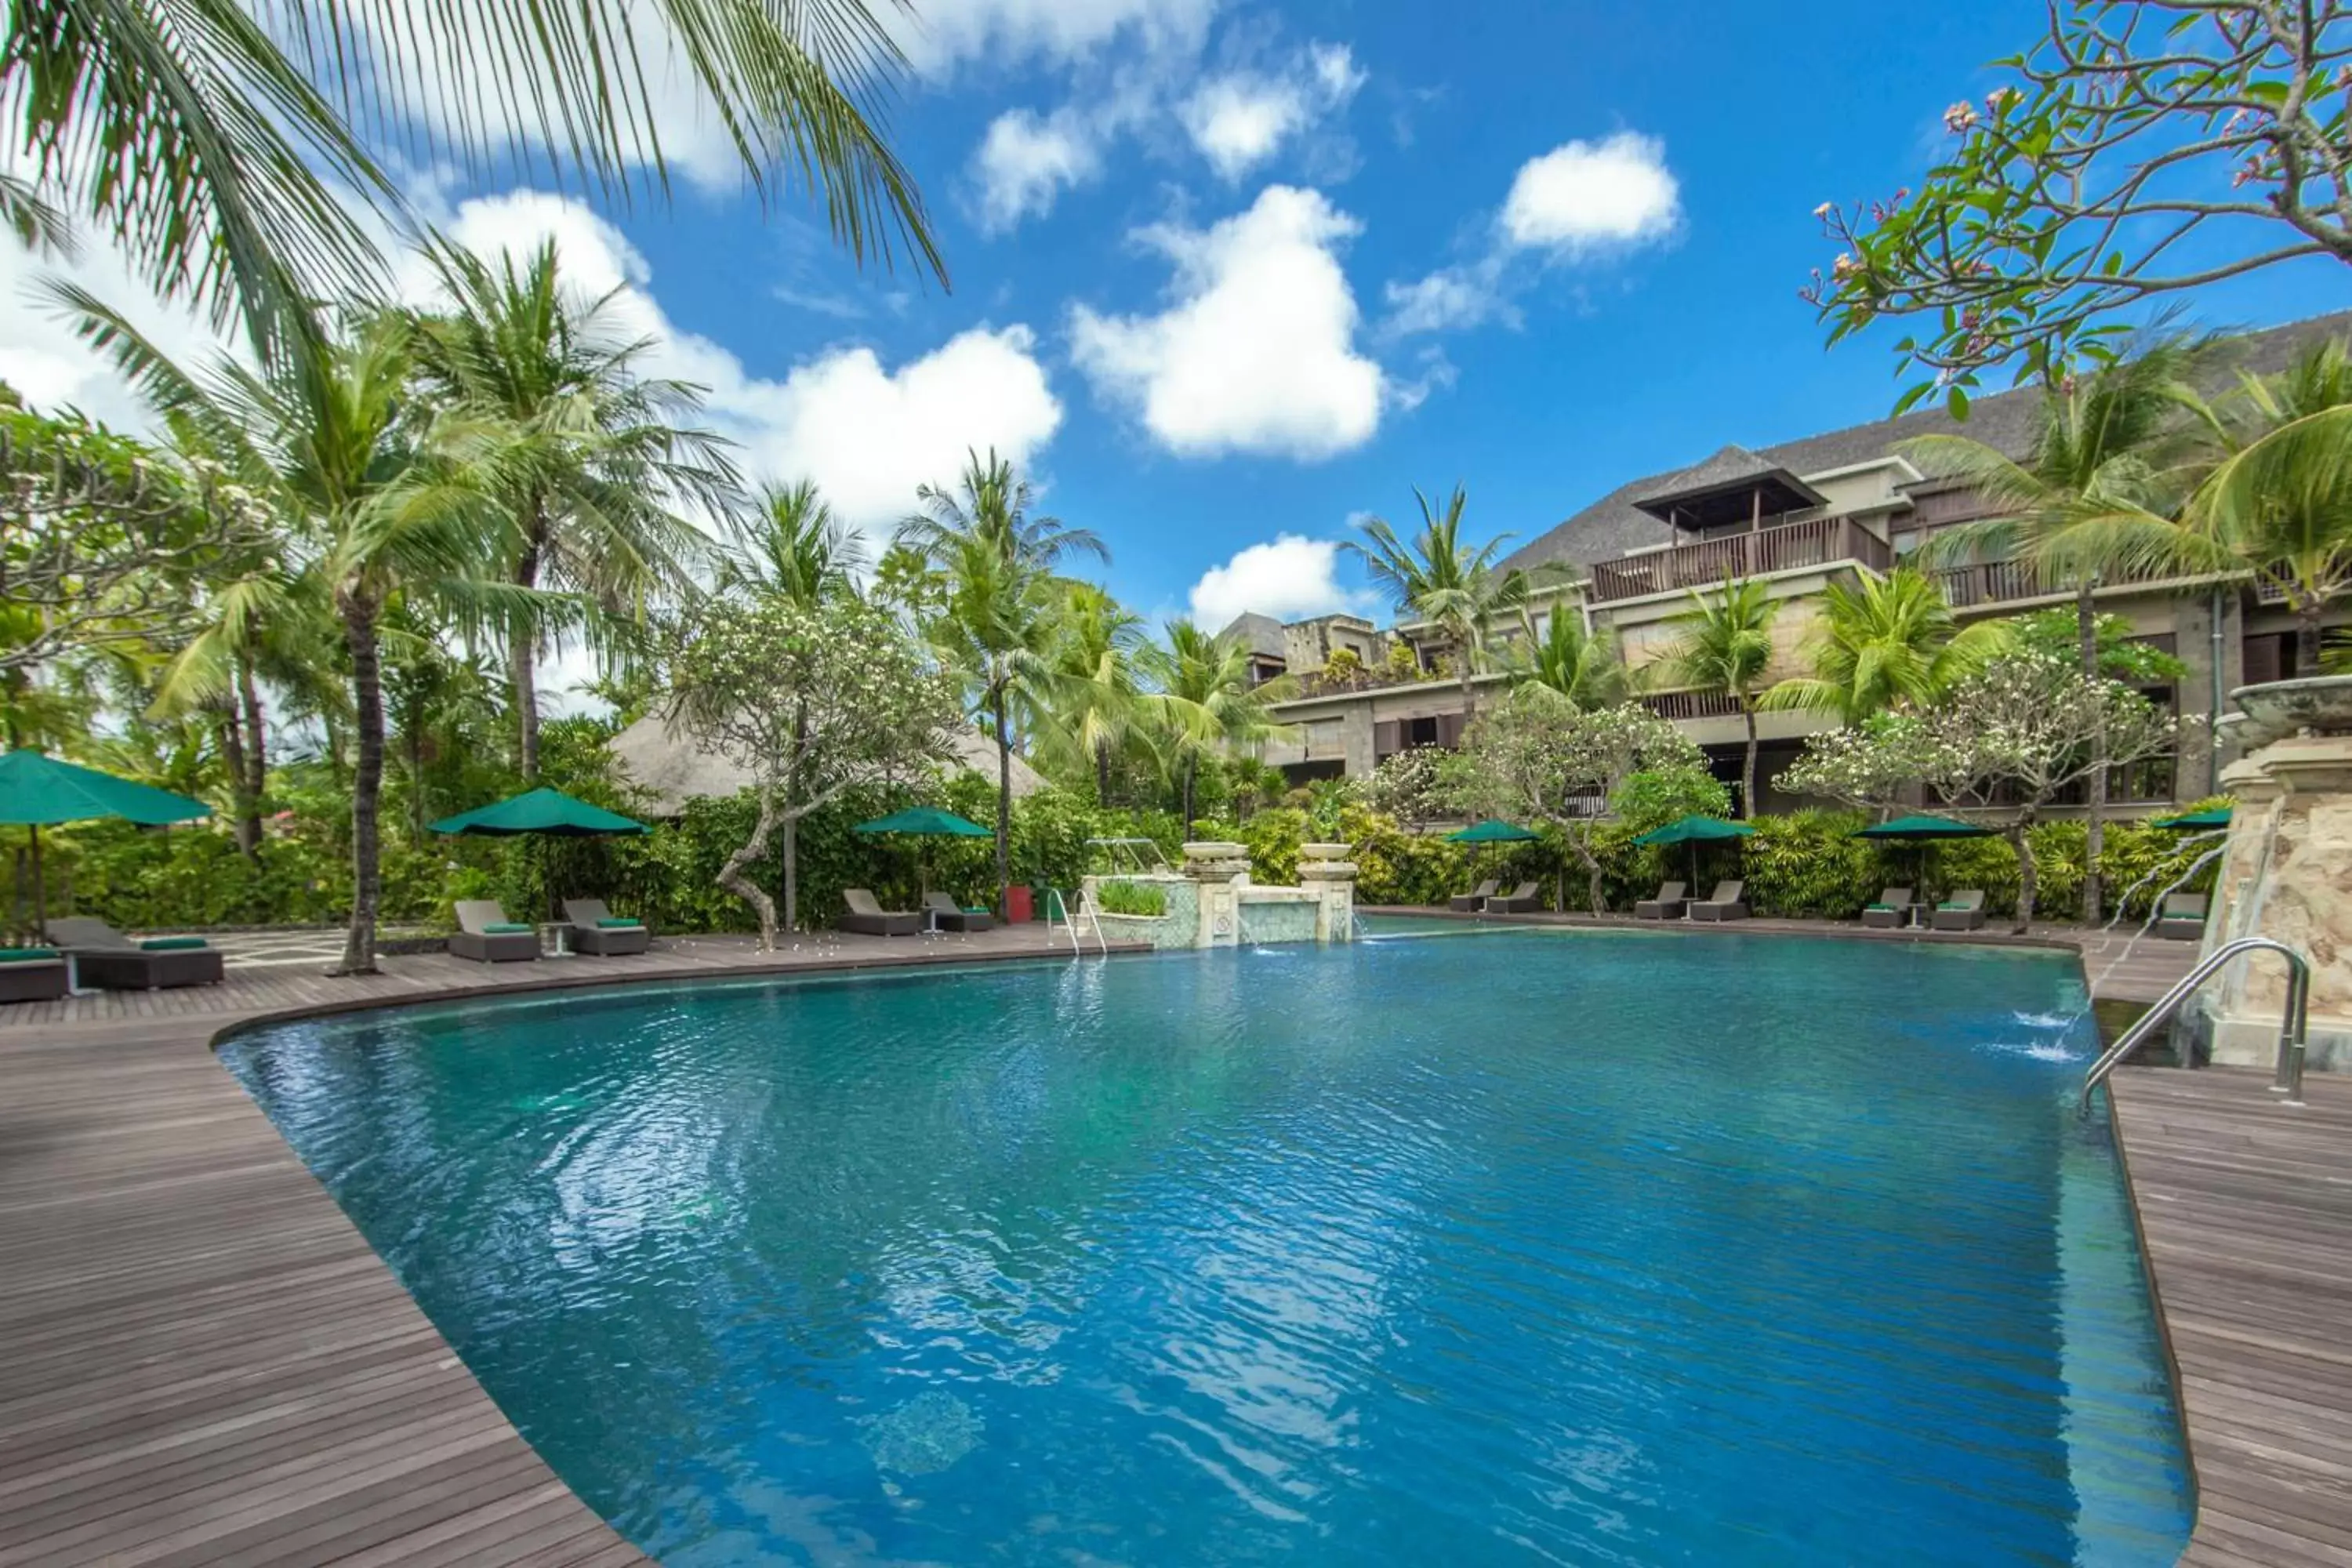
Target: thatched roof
673,770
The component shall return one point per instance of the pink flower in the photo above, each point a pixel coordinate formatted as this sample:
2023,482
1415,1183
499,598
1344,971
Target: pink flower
1960,118
1824,210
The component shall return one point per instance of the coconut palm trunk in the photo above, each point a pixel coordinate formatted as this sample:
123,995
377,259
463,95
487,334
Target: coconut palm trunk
1003,805
1748,765
248,815
522,653
257,749
367,782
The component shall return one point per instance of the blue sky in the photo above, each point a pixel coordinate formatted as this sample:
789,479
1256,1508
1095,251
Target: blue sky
1225,272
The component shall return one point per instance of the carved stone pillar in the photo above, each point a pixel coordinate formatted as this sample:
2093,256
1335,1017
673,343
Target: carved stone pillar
1326,871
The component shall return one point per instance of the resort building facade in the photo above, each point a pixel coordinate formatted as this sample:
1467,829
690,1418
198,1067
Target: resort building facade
1795,517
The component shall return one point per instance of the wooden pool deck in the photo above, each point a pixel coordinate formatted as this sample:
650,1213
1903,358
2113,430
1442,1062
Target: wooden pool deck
205,1363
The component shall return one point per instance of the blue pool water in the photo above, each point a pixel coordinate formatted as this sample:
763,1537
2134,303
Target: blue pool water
1518,1247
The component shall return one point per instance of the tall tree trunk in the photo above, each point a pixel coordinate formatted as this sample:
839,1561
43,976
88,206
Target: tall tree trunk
1748,768
1102,772
793,817
2028,878
256,744
1003,806
367,783
413,727
731,877
1192,772
247,826
522,654
2094,814
2306,639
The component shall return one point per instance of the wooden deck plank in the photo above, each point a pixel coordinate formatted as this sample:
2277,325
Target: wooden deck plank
2246,1208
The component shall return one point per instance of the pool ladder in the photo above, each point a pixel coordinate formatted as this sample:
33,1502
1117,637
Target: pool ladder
2293,1027
1070,924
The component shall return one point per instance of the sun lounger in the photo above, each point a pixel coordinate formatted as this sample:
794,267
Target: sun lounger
31,975
1475,897
105,957
484,934
2182,918
1521,900
597,933
1729,903
1668,905
948,915
1963,910
867,917
1892,908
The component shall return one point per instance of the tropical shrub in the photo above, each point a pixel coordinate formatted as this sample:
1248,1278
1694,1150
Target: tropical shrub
1129,898
1809,864
1273,838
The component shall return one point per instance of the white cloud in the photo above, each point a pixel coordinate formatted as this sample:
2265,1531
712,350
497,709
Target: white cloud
1578,201
1027,161
1241,119
1447,299
1289,579
1007,32
1257,353
1588,196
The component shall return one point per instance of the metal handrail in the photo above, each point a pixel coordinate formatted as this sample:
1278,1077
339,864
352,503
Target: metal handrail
2293,1027
1067,924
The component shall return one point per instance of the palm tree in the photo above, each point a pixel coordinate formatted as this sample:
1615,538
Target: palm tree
1443,581
605,453
995,624
791,545
2104,444
215,155
2280,508
1884,643
1581,664
385,506
1725,648
1203,699
1092,696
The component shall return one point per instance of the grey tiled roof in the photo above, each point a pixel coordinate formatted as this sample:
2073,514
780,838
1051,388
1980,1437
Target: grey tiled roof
1259,634
1613,525
1728,466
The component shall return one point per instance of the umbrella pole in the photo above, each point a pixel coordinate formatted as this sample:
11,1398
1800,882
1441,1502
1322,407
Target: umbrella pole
40,889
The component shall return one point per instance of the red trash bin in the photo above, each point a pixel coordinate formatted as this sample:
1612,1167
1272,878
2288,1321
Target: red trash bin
1017,904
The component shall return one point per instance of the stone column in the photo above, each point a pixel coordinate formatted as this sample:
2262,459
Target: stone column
1326,871
1212,868
2286,874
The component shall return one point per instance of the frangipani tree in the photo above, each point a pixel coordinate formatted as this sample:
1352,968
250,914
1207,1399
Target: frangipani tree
814,700
2005,742
1535,751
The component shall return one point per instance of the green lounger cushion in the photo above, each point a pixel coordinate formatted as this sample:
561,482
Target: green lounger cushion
975,909
618,925
171,944
25,954
1878,906
1956,906
505,928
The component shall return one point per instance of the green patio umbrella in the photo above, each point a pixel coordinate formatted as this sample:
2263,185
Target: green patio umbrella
548,812
924,822
2212,817
1492,831
1923,830
1696,831
37,792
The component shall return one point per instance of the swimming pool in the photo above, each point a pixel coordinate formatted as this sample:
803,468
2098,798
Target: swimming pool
1612,1248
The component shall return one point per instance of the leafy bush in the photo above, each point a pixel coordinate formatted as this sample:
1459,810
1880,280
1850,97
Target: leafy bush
1652,798
1271,837
1809,864
1127,898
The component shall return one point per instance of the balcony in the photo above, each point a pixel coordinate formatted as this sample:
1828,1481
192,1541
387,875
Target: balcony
1688,705
2006,581
1818,541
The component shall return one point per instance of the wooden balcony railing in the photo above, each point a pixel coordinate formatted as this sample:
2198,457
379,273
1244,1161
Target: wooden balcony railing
2006,582
1691,704
1818,541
